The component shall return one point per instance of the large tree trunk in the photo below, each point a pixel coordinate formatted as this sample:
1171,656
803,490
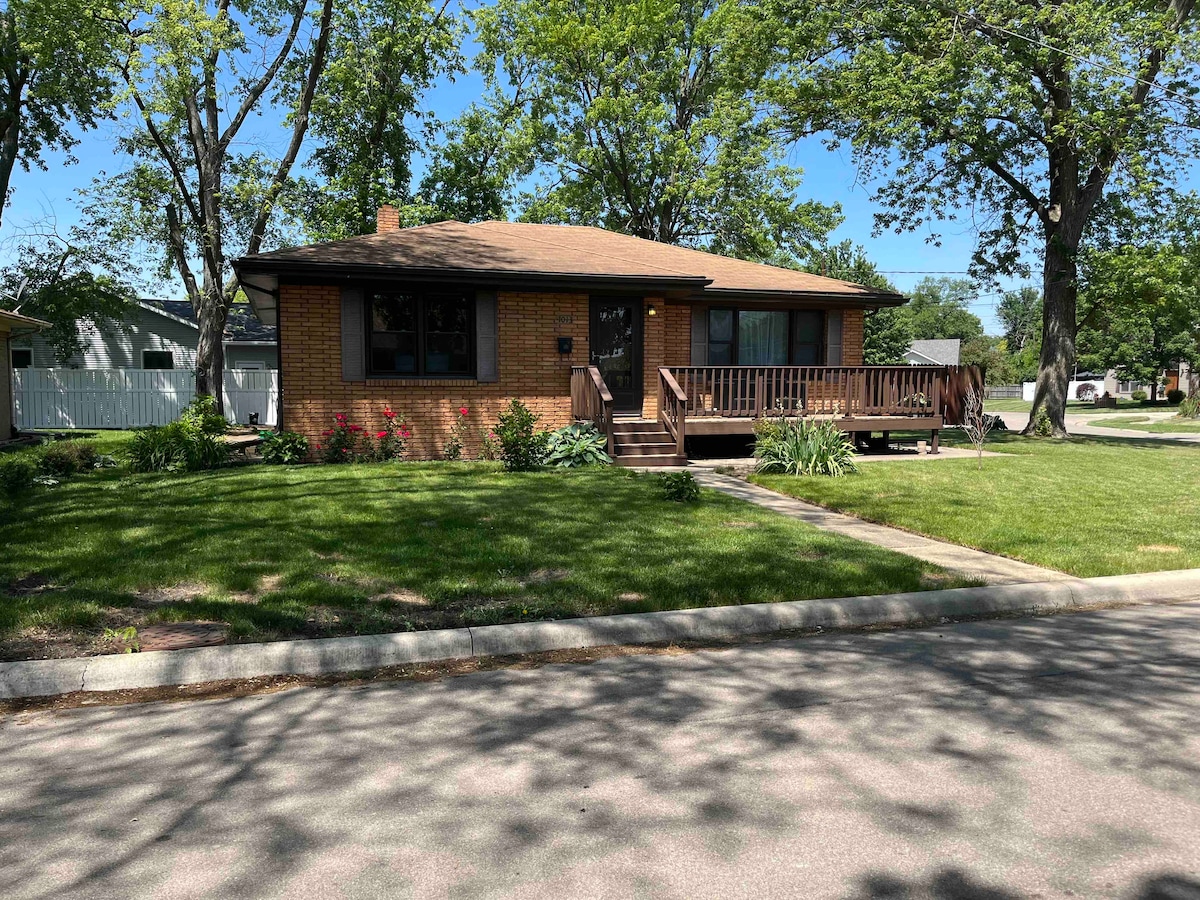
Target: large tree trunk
210,351
1060,293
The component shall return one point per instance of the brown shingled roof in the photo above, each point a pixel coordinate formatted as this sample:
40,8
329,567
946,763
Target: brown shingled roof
552,251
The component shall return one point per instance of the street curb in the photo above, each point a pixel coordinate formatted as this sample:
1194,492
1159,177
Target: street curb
326,656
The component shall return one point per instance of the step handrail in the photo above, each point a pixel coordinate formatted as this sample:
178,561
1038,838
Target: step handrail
672,408
592,401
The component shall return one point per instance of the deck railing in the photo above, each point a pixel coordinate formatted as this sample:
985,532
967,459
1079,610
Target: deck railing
591,401
672,408
840,391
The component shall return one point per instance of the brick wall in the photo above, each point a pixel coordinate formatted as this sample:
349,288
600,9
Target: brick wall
654,338
852,337
678,346
530,369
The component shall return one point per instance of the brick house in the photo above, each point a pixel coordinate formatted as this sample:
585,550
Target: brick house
577,322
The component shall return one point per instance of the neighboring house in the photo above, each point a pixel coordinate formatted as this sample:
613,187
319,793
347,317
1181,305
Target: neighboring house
933,353
430,319
12,326
160,334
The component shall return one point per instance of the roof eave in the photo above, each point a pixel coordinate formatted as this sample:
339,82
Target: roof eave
249,267
838,298
20,325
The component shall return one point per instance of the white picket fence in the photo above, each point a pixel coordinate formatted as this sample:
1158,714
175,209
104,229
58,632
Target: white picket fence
127,398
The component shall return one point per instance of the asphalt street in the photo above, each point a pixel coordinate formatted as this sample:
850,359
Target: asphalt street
1023,758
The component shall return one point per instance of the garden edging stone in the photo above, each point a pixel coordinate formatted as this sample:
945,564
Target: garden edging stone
31,678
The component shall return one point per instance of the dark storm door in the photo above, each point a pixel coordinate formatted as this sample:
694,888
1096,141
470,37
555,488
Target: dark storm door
616,350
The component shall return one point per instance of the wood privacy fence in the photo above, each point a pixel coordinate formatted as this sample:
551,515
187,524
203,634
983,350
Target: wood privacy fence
128,398
1003,391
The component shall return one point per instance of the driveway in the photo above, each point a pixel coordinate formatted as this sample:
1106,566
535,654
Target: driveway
1031,758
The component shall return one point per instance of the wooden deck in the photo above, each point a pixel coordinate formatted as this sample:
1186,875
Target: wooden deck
717,425
727,400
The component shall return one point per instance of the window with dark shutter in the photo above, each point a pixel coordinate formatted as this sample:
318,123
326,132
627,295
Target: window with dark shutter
421,333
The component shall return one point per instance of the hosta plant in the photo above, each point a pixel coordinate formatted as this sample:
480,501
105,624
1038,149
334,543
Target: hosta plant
283,448
577,445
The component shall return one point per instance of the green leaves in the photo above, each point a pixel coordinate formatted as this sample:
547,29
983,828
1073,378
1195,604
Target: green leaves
367,115
1007,113
639,116
1141,305
54,72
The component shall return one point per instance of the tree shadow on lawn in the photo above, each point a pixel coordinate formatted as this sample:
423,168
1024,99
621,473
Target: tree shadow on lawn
939,763
464,545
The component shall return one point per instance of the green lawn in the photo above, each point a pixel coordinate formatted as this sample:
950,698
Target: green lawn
1154,426
1089,506
1076,407
328,550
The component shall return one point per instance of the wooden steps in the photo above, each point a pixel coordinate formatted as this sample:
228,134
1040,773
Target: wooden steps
644,443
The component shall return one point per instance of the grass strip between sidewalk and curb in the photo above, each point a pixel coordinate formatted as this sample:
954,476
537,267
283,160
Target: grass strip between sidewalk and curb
358,654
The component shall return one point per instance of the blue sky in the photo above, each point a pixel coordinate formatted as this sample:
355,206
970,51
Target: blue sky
829,177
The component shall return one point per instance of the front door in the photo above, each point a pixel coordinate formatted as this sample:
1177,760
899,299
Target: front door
616,350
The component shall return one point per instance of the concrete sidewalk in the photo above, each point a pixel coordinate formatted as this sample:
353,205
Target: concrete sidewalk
966,561
33,678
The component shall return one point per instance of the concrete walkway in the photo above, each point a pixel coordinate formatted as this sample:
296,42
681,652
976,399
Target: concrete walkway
962,560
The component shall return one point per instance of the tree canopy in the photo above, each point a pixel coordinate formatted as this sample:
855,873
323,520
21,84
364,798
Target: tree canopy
1024,118
367,118
53,73
1141,310
194,74
939,309
642,116
64,279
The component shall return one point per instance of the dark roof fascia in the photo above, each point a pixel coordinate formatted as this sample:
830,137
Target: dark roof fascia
828,298
314,272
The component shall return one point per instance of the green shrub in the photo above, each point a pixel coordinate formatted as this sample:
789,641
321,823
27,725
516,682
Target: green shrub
283,448
1139,396
577,445
201,415
178,447
803,447
1042,426
679,487
522,448
1175,395
1189,407
17,473
62,459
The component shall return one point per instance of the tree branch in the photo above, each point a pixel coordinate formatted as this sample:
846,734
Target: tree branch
1147,74
259,87
299,126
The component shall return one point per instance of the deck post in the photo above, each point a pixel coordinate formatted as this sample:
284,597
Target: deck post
933,444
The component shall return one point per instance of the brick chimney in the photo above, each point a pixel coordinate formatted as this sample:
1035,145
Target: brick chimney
387,219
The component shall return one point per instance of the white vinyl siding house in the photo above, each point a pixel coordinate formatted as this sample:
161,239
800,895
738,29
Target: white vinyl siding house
149,329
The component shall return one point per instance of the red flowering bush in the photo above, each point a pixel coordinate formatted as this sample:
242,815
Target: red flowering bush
391,441
458,434
340,442
490,447
348,441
